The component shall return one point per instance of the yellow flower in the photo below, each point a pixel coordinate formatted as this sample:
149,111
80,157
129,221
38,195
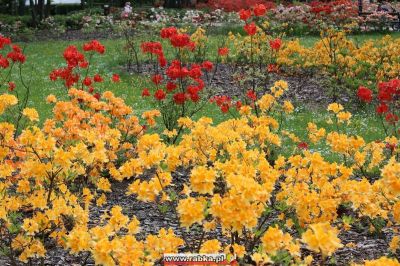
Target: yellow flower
322,238
335,107
104,184
274,240
202,180
7,100
31,113
383,261
210,246
288,107
51,99
343,116
191,210
394,244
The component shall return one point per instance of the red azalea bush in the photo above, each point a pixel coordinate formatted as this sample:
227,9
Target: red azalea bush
252,66
11,55
76,73
387,104
178,84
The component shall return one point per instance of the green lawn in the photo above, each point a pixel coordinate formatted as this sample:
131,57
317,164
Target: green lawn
42,57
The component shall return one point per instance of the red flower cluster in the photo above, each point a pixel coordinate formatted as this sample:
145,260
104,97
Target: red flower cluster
364,94
251,95
4,41
388,97
275,44
251,29
12,54
76,60
259,10
178,40
223,51
225,103
156,49
94,46
16,54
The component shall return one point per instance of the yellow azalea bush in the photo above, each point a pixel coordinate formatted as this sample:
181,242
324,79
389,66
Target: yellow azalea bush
347,63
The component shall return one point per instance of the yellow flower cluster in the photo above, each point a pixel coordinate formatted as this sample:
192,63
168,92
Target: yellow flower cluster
344,59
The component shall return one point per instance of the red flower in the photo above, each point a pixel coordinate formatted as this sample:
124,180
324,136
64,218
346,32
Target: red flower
11,86
275,44
390,146
272,68
245,14
115,78
73,56
207,65
238,105
224,108
195,72
302,146
364,94
16,55
259,10
194,97
97,96
167,33
251,95
382,108
84,64
251,28
191,46
94,45
159,95
4,41
87,81
162,61
157,79
223,51
3,61
152,48
180,40
91,90
391,118
145,93
97,78
179,98
171,86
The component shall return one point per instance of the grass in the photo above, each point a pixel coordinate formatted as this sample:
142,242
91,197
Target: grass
42,57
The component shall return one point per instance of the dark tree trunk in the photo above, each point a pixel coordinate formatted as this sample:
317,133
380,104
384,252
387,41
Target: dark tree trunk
41,9
33,12
48,8
21,7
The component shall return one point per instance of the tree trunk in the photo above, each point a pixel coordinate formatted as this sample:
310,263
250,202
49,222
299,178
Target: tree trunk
48,8
21,7
33,12
41,9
